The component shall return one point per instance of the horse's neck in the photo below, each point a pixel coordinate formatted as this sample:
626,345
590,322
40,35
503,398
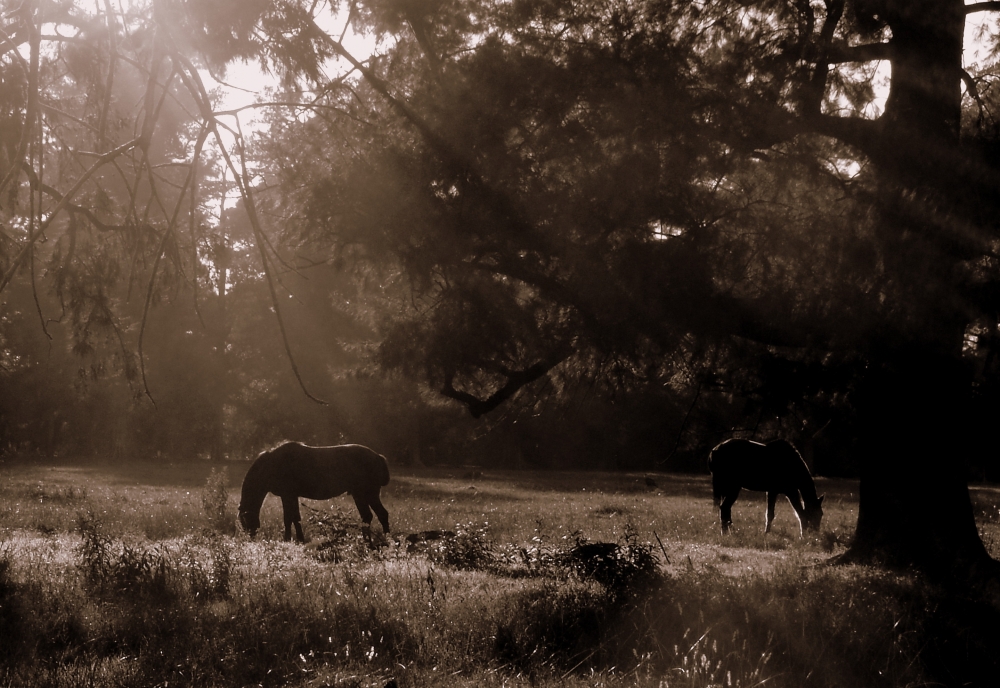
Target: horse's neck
251,499
808,489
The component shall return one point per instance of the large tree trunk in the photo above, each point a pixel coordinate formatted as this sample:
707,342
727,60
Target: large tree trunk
915,509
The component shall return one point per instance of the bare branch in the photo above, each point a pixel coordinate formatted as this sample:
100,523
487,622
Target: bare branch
973,90
38,185
982,7
32,238
72,118
112,62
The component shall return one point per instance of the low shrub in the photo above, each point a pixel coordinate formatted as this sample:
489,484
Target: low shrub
215,502
467,549
622,568
337,537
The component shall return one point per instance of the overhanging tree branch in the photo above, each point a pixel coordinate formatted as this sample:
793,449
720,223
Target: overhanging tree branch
516,379
869,52
982,7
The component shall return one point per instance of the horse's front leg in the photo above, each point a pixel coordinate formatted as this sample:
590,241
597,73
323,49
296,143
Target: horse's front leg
290,510
796,501
772,497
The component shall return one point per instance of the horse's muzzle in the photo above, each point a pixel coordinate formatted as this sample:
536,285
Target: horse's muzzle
246,521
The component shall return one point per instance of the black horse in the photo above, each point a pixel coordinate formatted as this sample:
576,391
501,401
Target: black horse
775,468
294,470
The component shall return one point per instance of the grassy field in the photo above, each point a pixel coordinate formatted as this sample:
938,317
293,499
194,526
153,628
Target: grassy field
134,576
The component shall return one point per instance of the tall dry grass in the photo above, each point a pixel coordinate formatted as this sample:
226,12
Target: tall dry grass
557,582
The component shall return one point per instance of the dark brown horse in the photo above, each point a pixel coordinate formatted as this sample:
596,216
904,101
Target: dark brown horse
294,470
775,468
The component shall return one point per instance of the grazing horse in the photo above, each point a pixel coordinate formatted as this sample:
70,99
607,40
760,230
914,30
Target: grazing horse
294,470
775,468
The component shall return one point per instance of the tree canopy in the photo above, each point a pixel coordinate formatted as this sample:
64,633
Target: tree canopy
702,214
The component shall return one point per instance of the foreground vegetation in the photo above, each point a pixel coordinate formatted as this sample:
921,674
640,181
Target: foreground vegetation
115,577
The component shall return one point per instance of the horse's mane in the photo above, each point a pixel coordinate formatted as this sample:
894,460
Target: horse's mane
250,492
785,446
808,486
274,446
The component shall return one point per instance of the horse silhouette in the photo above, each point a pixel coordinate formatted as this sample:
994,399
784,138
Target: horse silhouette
293,470
775,468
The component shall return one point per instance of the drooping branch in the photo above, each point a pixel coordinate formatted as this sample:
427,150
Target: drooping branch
150,112
188,181
516,379
37,185
31,111
192,80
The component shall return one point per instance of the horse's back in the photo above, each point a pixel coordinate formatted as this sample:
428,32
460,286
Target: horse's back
734,457
355,463
325,472
774,467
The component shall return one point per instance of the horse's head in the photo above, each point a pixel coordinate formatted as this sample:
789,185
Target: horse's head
812,514
249,521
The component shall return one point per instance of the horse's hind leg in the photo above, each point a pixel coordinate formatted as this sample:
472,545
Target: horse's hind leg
290,510
368,501
726,509
361,501
383,516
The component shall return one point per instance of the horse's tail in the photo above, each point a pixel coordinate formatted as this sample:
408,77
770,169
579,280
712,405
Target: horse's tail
716,494
383,467
716,486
